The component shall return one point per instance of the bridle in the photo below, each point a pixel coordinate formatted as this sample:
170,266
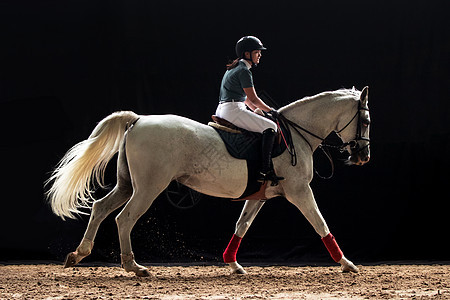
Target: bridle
353,144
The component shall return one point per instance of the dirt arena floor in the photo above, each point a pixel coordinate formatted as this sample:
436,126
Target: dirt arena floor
50,281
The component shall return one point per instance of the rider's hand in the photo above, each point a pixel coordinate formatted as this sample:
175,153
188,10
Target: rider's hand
274,114
259,111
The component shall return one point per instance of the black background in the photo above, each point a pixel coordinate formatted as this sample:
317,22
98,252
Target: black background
64,65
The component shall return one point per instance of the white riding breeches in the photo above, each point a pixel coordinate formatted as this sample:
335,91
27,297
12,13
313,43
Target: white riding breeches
238,114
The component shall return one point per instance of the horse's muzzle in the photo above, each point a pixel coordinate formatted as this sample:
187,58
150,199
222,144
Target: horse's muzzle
360,158
359,155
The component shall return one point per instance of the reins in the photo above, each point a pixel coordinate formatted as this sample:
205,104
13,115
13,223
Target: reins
291,148
288,124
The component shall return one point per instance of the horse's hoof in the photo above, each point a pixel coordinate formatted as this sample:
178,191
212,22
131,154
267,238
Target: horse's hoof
239,271
348,266
71,260
143,273
139,270
236,268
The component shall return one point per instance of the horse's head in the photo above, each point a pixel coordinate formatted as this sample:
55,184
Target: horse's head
356,137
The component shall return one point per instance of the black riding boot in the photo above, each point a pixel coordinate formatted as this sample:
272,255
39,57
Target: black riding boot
267,172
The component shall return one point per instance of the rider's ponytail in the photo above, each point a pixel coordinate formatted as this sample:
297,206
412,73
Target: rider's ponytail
233,64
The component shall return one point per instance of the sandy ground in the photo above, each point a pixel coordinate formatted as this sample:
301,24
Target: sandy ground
49,281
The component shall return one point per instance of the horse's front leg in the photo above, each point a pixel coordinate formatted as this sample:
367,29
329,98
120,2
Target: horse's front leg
303,198
248,214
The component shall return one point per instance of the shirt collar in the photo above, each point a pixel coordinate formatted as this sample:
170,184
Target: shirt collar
247,64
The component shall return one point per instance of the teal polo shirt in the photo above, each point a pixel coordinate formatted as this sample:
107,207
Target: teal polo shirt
234,81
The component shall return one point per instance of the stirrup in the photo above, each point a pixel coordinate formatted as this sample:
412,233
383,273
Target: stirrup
269,176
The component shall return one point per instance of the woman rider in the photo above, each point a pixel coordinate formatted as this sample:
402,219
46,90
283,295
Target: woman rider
237,93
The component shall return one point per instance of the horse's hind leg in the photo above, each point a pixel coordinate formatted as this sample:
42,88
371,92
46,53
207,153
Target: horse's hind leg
248,214
139,203
101,209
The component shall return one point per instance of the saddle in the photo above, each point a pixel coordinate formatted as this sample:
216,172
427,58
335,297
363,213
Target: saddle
244,144
222,124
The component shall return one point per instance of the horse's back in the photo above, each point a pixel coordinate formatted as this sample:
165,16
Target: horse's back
186,150
173,132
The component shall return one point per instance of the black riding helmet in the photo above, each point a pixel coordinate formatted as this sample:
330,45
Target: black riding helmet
248,43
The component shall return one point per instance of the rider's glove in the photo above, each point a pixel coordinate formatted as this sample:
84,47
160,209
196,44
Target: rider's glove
274,114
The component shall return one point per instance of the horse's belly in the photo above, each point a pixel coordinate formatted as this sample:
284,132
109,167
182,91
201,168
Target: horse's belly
220,177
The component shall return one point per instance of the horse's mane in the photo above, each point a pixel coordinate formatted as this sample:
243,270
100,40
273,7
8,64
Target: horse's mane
341,93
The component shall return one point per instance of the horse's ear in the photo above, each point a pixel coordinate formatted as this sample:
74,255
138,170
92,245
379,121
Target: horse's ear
365,96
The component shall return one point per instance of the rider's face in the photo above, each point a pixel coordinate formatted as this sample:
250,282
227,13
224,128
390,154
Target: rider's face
256,56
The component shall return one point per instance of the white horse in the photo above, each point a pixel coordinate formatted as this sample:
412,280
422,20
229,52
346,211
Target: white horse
156,149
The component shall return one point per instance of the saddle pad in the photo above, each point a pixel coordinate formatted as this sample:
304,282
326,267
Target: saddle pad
247,145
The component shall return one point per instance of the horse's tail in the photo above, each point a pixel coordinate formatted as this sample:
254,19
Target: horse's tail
85,163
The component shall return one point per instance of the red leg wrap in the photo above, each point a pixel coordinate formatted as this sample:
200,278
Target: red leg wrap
333,248
229,255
